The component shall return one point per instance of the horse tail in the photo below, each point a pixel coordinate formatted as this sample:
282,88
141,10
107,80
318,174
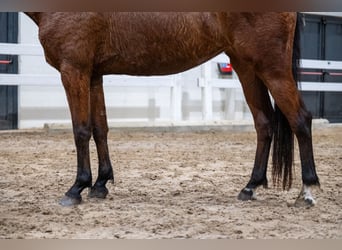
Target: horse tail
283,137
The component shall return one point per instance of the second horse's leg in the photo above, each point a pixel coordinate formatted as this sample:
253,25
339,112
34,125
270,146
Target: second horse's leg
258,100
100,131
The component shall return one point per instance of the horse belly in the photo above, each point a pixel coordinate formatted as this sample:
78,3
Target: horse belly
153,64
159,44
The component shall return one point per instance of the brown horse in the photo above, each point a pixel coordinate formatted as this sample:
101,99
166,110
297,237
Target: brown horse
262,49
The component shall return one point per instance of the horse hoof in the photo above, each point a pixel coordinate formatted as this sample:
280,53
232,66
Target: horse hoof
304,202
305,198
310,201
67,201
246,195
98,192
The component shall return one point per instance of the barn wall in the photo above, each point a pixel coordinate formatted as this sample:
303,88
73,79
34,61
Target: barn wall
40,105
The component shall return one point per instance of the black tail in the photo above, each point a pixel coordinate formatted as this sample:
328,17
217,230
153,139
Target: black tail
283,139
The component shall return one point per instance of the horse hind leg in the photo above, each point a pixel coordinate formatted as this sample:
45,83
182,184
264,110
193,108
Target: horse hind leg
100,131
288,99
258,100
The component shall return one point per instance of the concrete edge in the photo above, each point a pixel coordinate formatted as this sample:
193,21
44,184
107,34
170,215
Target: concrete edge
184,126
165,126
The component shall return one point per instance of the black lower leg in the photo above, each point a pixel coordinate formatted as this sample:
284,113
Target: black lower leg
83,180
258,176
304,136
105,172
99,189
309,175
84,176
73,195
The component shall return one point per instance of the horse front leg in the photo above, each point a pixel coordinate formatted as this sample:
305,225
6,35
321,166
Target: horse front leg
100,131
77,87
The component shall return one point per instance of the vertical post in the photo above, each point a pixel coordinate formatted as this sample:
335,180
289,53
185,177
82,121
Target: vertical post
207,93
229,104
239,105
176,98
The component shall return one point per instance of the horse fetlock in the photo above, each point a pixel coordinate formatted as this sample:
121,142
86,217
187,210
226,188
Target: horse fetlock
106,174
310,178
99,189
111,180
83,181
110,174
257,181
98,192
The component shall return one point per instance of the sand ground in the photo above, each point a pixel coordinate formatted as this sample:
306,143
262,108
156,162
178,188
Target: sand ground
167,185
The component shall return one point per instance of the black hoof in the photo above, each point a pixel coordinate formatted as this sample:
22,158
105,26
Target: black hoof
246,195
67,201
98,192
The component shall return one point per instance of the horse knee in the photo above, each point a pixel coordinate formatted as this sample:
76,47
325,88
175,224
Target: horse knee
82,134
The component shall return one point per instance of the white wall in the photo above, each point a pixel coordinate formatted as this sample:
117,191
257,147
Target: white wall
39,105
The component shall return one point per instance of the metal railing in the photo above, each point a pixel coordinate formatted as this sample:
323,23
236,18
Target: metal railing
171,81
206,81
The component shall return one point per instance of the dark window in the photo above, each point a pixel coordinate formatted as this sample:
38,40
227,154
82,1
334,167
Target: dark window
8,64
321,39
